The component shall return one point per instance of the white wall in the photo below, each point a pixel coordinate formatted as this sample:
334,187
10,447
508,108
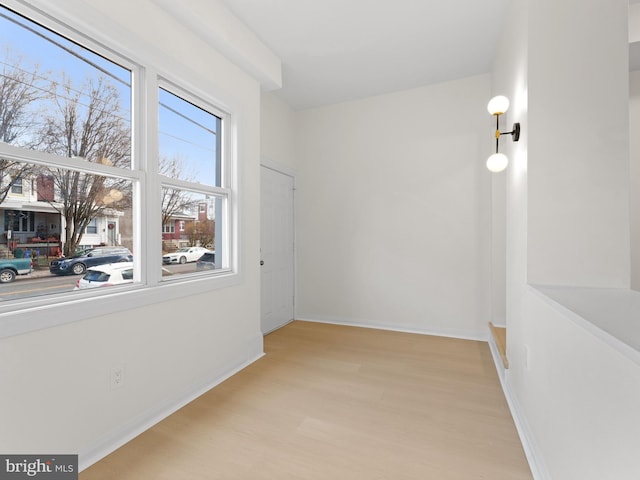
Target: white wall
277,122
509,188
579,395
55,393
393,216
510,77
634,157
578,206
575,397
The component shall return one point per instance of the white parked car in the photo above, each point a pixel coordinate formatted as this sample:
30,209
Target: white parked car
184,255
106,275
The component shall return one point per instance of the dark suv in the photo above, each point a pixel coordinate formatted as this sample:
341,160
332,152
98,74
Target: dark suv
79,263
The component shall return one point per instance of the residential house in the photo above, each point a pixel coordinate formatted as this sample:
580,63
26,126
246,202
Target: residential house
32,220
174,231
181,229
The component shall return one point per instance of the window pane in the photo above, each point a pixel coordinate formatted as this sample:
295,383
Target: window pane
198,246
59,97
74,210
17,185
92,227
188,141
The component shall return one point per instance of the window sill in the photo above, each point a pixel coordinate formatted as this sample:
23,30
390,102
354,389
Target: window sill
40,313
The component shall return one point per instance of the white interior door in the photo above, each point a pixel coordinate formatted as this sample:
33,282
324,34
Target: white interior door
277,244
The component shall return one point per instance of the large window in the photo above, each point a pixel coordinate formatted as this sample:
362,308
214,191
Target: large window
18,221
76,125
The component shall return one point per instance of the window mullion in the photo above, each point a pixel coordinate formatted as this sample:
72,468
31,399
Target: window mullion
151,225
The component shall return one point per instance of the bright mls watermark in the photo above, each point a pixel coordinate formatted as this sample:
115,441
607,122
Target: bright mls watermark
50,467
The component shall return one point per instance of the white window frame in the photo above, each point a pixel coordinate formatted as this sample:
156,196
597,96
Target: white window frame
225,192
150,71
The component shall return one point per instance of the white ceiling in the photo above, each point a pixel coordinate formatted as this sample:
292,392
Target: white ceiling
339,50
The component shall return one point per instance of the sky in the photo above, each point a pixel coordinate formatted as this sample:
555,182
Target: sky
185,131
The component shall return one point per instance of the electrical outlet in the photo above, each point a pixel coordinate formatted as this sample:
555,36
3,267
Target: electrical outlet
116,377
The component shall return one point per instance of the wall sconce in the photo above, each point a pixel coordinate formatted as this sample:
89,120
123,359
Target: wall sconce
497,106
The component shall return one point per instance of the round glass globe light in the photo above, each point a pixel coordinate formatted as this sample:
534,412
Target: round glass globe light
497,162
498,105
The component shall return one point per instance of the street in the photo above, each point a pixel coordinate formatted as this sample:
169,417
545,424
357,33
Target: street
41,282
34,284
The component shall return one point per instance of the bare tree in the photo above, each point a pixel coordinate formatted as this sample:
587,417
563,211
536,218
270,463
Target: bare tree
174,201
86,123
201,233
21,92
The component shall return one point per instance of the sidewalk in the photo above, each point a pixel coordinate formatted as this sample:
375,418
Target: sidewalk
40,271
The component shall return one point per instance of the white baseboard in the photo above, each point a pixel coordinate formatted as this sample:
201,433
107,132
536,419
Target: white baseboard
127,432
531,450
481,337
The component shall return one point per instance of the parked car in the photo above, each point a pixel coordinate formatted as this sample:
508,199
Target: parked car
78,264
184,255
10,267
206,261
106,275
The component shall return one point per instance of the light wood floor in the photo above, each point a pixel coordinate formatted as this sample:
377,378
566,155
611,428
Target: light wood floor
330,402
